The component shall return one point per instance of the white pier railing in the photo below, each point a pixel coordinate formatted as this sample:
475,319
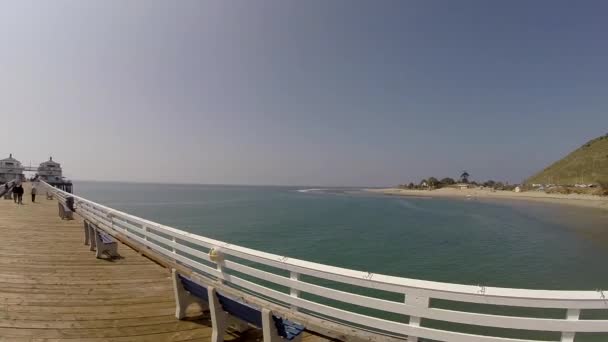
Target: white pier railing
339,295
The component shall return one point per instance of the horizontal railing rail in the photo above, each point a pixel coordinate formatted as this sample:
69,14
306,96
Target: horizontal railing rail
226,264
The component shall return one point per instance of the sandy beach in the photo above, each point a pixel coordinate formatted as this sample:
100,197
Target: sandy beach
588,201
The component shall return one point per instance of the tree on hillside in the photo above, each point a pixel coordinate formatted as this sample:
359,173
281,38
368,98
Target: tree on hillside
489,183
464,177
448,181
410,186
433,182
603,188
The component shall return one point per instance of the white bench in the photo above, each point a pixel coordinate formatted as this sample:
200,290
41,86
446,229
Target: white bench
99,241
64,212
224,308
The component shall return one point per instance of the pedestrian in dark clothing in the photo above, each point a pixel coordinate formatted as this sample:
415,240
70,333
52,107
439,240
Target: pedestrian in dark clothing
34,192
18,193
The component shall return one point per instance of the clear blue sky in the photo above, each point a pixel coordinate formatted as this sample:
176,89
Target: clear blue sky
301,92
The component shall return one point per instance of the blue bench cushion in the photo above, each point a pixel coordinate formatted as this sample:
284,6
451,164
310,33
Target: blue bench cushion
240,310
105,238
286,328
194,288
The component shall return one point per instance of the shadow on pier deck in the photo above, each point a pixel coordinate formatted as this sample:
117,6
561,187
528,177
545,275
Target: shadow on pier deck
53,288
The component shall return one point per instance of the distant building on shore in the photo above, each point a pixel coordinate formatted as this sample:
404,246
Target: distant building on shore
11,169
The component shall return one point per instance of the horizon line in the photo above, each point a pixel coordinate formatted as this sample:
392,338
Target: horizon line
231,184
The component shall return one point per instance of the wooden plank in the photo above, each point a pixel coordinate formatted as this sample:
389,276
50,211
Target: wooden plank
88,324
52,302
114,332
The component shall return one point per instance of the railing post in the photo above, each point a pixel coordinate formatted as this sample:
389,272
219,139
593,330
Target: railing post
571,315
220,268
146,231
294,292
418,302
173,247
216,256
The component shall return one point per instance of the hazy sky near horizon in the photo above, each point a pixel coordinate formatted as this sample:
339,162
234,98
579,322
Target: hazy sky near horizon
312,92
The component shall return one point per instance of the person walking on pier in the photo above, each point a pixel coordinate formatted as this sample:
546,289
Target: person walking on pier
18,193
14,191
34,192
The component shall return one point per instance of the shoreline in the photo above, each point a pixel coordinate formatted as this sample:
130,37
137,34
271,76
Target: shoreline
587,201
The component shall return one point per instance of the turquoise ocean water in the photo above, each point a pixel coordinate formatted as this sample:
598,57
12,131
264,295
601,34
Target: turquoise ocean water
492,243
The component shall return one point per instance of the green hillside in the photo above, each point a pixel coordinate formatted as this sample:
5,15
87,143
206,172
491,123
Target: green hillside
587,164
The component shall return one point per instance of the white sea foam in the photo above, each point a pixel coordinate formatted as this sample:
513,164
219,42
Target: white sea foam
310,190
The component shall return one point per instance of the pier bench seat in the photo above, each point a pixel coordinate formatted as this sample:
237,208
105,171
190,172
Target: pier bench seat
87,233
274,328
64,212
99,241
104,244
90,228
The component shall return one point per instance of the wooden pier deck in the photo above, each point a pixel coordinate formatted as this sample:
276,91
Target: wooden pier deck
52,288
